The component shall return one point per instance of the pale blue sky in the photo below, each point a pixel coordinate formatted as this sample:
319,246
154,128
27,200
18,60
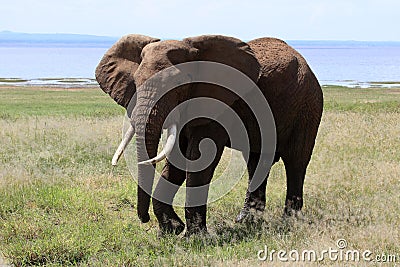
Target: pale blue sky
368,20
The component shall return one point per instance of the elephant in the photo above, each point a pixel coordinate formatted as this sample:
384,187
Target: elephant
281,74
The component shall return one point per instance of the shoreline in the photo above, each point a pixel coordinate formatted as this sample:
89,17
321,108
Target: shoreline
92,83
49,82
358,84
47,88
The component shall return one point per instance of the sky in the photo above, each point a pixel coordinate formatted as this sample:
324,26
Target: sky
360,20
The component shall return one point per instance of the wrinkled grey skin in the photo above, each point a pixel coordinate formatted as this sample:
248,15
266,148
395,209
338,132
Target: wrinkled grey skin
283,76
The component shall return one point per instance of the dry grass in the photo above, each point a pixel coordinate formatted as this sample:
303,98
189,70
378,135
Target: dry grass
62,205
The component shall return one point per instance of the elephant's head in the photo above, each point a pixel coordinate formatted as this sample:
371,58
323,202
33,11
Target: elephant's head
124,68
115,71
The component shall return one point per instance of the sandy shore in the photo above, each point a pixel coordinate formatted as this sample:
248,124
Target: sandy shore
49,87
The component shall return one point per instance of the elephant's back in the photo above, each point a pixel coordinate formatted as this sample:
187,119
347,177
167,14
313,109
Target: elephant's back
287,83
283,70
270,51
279,74
277,58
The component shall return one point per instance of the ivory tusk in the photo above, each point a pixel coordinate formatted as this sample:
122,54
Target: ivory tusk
167,148
124,143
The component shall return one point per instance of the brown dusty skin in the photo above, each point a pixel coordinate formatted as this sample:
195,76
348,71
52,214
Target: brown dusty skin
282,75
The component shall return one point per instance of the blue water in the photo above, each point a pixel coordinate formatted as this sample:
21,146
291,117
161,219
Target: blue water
49,61
354,63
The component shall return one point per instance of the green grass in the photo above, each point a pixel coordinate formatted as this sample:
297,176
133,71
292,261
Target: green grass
62,204
370,100
19,102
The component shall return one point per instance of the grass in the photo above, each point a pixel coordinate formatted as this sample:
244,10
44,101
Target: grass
367,100
62,204
20,102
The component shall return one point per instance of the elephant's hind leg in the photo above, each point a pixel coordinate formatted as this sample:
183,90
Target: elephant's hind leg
296,157
255,201
295,173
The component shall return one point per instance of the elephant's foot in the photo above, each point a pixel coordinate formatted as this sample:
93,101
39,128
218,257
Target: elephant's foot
247,214
196,221
168,220
171,226
252,208
197,231
243,215
293,206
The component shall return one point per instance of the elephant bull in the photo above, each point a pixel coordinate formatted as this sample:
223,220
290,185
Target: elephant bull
283,78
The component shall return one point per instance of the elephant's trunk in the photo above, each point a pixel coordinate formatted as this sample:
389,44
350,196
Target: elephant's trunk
145,149
149,118
169,145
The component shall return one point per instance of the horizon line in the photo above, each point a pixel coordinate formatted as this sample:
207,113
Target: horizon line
5,32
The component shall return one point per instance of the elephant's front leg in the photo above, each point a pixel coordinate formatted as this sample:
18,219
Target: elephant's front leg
167,187
198,182
255,200
170,181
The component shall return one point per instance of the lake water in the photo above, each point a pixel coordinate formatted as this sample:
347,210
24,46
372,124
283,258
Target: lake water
343,63
353,63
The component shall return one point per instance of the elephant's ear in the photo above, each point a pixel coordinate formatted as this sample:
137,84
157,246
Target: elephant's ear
229,51
115,71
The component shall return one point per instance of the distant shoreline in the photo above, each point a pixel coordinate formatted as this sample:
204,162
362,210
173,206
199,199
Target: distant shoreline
358,84
21,37
91,82
70,60
49,82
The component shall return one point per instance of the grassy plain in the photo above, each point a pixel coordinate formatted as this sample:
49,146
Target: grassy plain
62,204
